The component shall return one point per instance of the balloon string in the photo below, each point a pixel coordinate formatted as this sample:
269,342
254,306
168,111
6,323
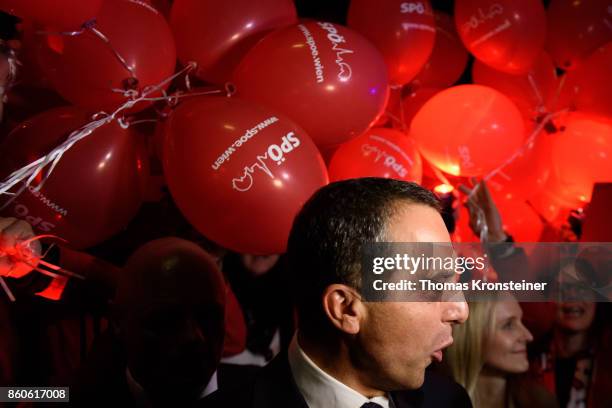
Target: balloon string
7,290
180,96
558,91
187,83
116,53
49,265
145,4
84,27
91,27
137,122
28,173
393,117
536,91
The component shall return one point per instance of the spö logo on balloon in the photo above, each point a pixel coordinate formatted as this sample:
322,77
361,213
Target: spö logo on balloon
413,7
274,154
336,39
482,17
388,159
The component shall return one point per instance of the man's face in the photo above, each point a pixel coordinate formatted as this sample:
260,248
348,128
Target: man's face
172,329
173,348
398,340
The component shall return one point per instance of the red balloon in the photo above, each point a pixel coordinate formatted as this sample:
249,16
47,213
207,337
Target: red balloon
85,71
507,35
576,29
532,92
448,58
325,77
403,32
468,130
588,88
240,172
379,152
61,15
546,205
96,188
528,173
581,155
519,218
217,36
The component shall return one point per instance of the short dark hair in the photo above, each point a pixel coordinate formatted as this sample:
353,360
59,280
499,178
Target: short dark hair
328,235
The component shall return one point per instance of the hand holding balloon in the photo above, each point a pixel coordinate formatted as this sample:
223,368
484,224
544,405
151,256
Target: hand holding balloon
479,199
16,259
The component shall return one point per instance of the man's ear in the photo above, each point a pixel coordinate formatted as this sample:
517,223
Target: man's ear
343,307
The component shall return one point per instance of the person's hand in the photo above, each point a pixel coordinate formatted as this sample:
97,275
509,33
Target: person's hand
480,201
13,233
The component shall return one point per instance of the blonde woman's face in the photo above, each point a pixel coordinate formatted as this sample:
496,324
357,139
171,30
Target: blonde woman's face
506,346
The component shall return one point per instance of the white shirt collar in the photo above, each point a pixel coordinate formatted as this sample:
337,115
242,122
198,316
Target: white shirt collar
321,390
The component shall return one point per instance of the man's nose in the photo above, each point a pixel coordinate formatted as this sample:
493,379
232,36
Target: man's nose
456,312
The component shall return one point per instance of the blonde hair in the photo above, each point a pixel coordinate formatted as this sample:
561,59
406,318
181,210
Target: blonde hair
466,355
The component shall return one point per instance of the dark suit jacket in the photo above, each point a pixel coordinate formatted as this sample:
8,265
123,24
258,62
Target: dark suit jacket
274,387
101,381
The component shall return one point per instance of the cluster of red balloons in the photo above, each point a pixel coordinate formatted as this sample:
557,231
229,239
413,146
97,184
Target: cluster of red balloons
375,97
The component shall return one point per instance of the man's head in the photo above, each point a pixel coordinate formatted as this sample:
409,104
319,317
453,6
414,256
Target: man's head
170,311
390,343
